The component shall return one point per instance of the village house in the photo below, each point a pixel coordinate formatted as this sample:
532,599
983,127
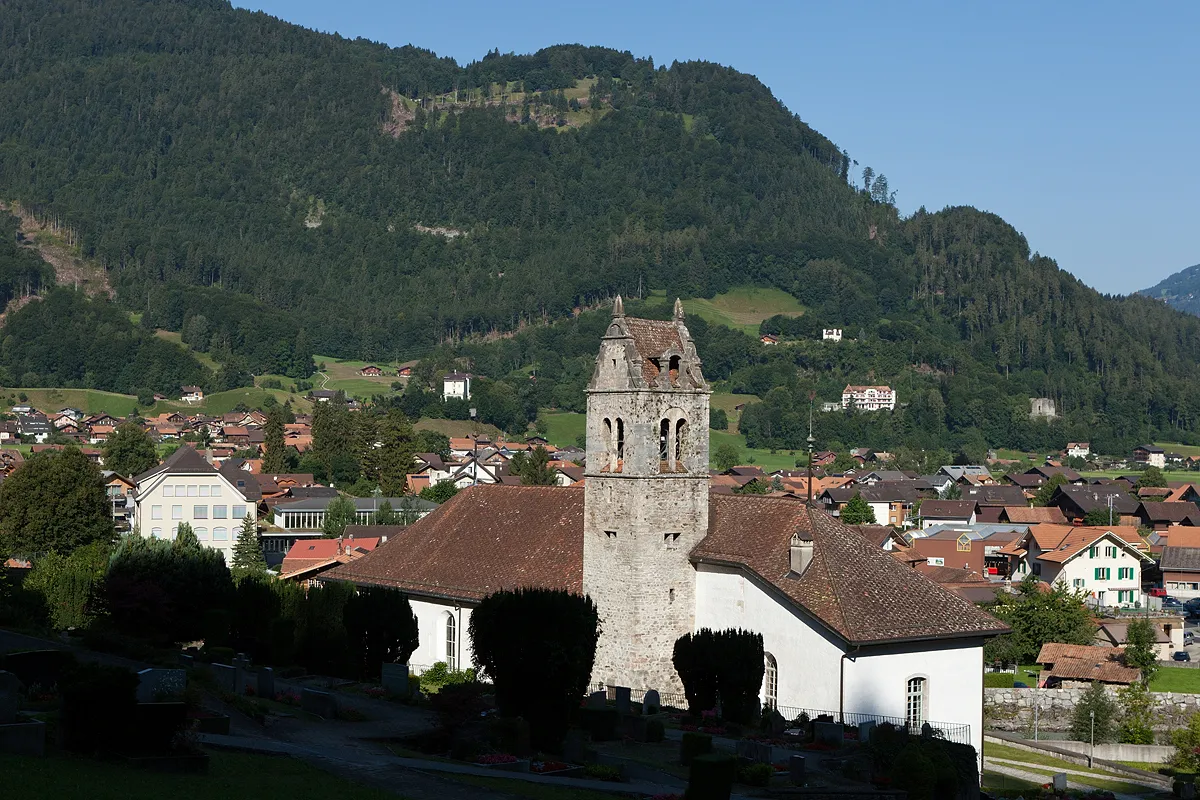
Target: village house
1161,515
846,627
308,558
769,339
891,502
187,488
1076,666
1076,501
831,334
308,515
371,371
1028,515
1105,564
34,425
119,491
956,512
1150,455
191,394
1180,563
9,431
868,398
1078,450
456,386
1168,634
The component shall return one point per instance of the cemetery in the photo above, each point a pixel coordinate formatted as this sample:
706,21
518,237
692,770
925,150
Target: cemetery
526,716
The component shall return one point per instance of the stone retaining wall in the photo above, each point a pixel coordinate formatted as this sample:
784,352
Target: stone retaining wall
1013,709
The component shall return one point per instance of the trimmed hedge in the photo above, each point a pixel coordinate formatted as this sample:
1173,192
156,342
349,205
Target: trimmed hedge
381,628
711,777
694,745
721,664
538,647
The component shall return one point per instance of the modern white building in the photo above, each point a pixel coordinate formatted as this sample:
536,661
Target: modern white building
831,334
869,398
187,488
456,386
848,629
1102,563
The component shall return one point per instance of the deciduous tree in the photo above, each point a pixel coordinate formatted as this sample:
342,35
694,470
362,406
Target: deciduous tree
129,450
338,514
857,512
54,503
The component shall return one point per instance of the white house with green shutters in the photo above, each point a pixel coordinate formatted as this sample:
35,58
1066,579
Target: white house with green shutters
1101,563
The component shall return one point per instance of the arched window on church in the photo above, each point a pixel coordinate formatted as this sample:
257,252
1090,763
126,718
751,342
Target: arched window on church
451,643
681,431
620,444
664,444
770,682
673,366
608,445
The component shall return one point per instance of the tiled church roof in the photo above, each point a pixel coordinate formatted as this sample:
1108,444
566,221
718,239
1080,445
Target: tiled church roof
500,537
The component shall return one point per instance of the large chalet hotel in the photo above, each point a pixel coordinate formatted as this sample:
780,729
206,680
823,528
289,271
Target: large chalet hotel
869,398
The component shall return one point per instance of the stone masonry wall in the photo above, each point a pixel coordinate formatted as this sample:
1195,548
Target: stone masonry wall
640,525
1013,709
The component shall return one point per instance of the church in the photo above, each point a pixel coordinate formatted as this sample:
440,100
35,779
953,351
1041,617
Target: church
848,629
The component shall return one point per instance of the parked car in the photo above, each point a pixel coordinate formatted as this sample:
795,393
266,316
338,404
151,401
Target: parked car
1188,636
1157,591
1181,655
1171,602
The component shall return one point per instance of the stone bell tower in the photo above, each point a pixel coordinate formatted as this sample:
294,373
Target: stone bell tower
646,495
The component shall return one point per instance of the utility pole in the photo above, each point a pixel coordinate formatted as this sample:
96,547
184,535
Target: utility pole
811,395
1092,757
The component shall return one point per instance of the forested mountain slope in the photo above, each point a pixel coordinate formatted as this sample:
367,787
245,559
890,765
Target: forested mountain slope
1181,290
272,192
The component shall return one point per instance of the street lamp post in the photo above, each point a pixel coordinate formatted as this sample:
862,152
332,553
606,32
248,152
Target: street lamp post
1037,702
1092,757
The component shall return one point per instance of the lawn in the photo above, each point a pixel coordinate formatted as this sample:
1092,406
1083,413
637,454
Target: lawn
994,782
1047,765
563,427
534,791
224,402
230,775
726,402
781,459
343,374
1004,680
1182,449
1176,679
742,308
454,427
89,401
176,338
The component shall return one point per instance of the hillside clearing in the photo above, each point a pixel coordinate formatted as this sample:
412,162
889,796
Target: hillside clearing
563,428
742,308
175,338
89,401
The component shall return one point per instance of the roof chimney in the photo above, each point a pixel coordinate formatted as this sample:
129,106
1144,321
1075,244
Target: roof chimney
802,554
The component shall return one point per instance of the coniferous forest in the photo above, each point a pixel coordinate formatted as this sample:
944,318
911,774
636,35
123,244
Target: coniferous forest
271,192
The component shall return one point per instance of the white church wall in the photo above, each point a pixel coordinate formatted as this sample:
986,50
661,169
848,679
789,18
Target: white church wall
432,633
953,672
806,656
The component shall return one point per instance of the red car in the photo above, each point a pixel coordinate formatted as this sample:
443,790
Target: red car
1157,591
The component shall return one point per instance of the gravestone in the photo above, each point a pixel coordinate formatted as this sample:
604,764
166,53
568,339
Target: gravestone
796,770
651,703
1187,791
865,731
575,747
225,677
624,706
394,678
323,704
830,733
241,661
1060,781
597,700
186,660
266,682
155,684
757,752
10,690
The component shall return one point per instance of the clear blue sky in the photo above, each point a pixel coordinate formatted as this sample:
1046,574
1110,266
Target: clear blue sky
1075,121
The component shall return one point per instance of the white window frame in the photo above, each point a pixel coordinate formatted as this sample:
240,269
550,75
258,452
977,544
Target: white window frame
220,512
770,681
156,512
176,512
916,701
200,512
168,491
451,631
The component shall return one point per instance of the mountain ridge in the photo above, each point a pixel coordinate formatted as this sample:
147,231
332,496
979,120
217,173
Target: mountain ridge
244,182
1180,290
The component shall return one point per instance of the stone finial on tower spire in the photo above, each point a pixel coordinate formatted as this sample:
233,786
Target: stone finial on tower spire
618,307
678,309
